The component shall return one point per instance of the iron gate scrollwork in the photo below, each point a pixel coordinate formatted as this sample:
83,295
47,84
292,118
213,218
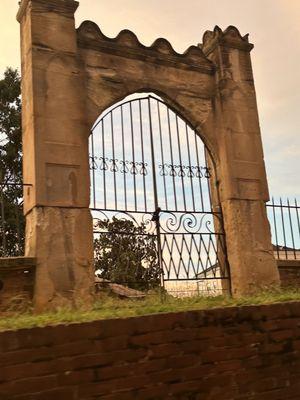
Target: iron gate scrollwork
149,168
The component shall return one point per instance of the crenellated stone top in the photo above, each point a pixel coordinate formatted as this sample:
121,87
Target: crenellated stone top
126,43
230,37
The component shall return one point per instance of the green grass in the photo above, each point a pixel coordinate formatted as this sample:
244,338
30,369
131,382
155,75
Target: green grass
108,307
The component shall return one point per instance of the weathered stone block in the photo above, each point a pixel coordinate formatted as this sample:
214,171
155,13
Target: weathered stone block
61,240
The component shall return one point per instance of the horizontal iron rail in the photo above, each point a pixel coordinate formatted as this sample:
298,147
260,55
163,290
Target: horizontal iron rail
14,184
197,279
162,233
149,213
282,206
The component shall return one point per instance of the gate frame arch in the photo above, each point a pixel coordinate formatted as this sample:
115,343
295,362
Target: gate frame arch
177,109
69,77
217,232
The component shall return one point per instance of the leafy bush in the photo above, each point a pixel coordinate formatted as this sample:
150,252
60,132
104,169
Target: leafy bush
126,254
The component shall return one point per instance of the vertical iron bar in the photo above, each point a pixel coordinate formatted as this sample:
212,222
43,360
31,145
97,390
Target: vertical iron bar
180,162
291,227
208,182
114,158
283,228
162,154
157,209
275,228
93,169
17,223
199,172
104,164
172,159
297,208
123,148
190,164
133,156
143,155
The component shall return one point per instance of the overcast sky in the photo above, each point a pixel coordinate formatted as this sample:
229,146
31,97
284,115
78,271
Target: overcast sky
274,28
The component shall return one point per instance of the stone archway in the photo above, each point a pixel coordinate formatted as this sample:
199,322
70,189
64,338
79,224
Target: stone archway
70,76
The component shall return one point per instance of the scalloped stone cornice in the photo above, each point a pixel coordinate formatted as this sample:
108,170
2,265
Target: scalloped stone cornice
127,44
230,37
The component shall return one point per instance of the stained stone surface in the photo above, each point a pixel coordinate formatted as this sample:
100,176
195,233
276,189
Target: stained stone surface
250,249
60,239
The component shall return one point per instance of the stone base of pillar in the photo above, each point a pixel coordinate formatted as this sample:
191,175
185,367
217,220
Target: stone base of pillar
61,240
250,253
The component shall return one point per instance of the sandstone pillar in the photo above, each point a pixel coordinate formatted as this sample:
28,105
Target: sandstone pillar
243,188
55,148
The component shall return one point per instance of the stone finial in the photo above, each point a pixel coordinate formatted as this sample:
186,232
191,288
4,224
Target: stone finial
62,6
230,37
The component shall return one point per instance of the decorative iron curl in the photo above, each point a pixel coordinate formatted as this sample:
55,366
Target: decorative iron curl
150,225
109,215
124,214
189,222
143,170
103,163
93,163
96,220
112,165
207,225
170,224
124,169
171,170
192,223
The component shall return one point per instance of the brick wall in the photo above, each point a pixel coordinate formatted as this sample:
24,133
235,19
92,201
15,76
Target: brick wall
16,282
234,353
289,271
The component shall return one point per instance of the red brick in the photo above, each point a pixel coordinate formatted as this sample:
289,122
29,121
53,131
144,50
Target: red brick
110,386
110,344
73,348
28,370
53,394
163,350
75,377
29,385
278,336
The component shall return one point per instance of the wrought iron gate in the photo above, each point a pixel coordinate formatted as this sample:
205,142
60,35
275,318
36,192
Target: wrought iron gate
150,168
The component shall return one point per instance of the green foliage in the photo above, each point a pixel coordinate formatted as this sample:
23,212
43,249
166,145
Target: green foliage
11,214
10,127
125,254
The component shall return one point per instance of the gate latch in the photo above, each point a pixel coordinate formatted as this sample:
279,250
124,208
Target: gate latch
155,215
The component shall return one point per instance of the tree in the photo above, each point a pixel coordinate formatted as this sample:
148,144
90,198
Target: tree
11,191
126,254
